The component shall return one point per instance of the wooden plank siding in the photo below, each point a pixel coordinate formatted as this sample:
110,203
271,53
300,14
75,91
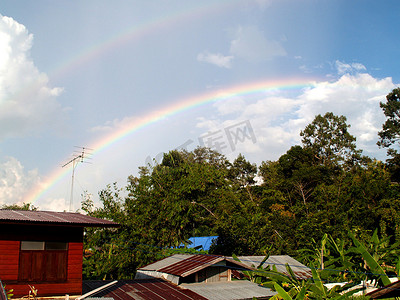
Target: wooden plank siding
72,286
43,249
9,266
75,257
9,260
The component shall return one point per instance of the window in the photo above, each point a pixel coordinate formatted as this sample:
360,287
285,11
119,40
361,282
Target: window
43,261
56,246
27,245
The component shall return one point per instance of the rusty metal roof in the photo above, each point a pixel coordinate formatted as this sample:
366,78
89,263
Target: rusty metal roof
51,218
389,291
192,264
184,264
141,289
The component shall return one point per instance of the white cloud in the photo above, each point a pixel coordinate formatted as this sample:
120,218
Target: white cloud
55,204
216,59
15,182
118,124
343,68
208,124
231,106
251,45
278,120
355,96
108,126
27,102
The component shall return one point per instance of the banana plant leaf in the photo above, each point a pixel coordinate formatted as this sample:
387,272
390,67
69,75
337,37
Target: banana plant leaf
371,262
281,293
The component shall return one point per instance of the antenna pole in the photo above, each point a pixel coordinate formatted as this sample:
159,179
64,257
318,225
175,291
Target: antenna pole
75,160
71,199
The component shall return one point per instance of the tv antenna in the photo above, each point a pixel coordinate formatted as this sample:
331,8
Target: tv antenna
79,156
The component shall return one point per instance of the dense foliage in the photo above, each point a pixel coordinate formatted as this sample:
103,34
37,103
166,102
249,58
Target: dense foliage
324,186
23,206
338,268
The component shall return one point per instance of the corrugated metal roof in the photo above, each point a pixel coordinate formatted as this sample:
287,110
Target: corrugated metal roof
167,261
238,289
280,261
389,291
141,289
186,264
52,218
192,264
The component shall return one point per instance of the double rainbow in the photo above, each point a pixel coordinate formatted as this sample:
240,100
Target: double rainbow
170,110
133,34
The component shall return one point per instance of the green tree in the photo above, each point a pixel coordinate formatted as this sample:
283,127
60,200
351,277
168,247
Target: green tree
23,206
326,185
242,172
330,141
109,253
186,195
390,134
189,194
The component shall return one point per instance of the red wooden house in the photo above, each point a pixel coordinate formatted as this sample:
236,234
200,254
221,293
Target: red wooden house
43,249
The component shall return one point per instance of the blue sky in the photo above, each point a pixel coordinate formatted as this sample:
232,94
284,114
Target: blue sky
74,72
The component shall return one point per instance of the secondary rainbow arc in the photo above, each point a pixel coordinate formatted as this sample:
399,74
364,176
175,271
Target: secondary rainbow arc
170,110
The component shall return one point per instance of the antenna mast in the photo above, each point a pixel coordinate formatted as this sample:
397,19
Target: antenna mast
78,157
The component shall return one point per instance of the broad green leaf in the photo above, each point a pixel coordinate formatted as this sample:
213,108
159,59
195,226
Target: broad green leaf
318,282
372,263
281,292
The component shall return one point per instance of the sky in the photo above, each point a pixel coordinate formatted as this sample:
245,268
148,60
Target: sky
121,82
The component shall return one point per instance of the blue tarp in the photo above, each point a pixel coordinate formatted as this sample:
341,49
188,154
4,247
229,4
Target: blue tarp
201,242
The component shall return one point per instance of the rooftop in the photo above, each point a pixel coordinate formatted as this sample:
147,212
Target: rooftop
52,218
186,264
389,291
141,289
237,289
279,261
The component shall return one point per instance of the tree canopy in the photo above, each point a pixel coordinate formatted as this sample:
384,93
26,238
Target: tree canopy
330,141
390,134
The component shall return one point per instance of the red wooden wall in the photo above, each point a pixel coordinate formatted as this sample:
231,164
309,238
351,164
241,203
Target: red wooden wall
9,258
9,264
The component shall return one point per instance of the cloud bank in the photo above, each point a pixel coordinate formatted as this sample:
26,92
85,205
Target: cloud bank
27,102
28,106
278,119
15,181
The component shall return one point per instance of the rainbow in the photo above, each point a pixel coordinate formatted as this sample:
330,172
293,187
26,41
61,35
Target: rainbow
132,34
254,88
138,31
